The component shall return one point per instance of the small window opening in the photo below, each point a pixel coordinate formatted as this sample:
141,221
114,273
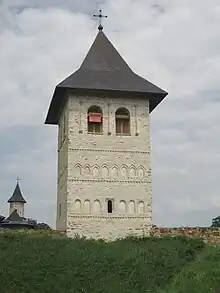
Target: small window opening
64,125
95,120
60,210
110,206
122,121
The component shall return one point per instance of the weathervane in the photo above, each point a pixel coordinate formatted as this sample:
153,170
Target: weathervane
100,16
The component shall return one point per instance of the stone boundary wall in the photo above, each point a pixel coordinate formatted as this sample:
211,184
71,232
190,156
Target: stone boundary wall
34,231
208,234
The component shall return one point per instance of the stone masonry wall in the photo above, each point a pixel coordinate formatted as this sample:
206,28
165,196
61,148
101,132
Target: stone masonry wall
62,171
108,166
107,228
19,206
209,235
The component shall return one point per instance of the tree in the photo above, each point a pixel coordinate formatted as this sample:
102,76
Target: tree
43,226
38,225
216,222
31,221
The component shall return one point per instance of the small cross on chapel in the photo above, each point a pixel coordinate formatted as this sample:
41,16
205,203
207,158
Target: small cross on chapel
104,182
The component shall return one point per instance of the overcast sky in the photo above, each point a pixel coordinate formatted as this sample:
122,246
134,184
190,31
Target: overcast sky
174,44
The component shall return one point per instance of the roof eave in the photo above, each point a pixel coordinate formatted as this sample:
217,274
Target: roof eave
52,114
57,101
16,223
156,100
20,200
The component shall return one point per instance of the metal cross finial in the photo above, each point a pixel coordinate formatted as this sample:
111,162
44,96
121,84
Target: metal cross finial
18,179
100,16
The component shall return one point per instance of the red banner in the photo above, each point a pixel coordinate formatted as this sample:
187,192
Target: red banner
95,117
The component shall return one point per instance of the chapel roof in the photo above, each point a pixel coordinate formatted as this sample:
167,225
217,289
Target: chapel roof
17,195
14,217
15,221
1,218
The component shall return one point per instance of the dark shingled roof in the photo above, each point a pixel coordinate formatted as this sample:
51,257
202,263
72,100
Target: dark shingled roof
104,71
14,217
15,221
17,196
1,218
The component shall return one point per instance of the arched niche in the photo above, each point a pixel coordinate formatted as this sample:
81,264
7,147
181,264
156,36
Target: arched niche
78,170
95,171
141,207
131,207
124,171
114,171
97,207
122,206
105,171
86,206
77,206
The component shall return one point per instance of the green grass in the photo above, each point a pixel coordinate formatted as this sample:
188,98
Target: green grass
32,264
201,276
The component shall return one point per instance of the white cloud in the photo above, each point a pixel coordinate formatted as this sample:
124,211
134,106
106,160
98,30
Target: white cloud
174,44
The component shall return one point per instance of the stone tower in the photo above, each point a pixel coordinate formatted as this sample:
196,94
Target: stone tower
16,202
104,163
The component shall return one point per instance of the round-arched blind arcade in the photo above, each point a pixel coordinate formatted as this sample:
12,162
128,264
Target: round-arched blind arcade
122,121
95,120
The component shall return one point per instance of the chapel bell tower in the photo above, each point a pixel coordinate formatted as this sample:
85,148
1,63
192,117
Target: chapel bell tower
17,201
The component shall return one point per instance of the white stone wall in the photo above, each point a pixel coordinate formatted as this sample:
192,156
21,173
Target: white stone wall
19,206
106,166
107,228
62,171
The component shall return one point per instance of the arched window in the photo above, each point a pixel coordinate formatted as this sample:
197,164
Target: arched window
110,206
122,121
95,119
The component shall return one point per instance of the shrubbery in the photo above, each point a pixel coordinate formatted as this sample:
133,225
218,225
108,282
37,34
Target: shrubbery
201,276
47,264
216,222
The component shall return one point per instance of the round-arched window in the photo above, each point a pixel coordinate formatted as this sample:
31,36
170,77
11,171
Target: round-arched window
122,121
95,120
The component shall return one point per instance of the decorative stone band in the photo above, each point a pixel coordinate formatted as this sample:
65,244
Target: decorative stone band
110,180
70,215
110,151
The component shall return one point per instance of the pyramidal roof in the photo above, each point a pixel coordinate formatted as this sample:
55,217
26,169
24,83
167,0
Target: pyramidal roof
17,195
14,217
104,71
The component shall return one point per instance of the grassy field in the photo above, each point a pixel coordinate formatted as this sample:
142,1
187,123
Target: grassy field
32,264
